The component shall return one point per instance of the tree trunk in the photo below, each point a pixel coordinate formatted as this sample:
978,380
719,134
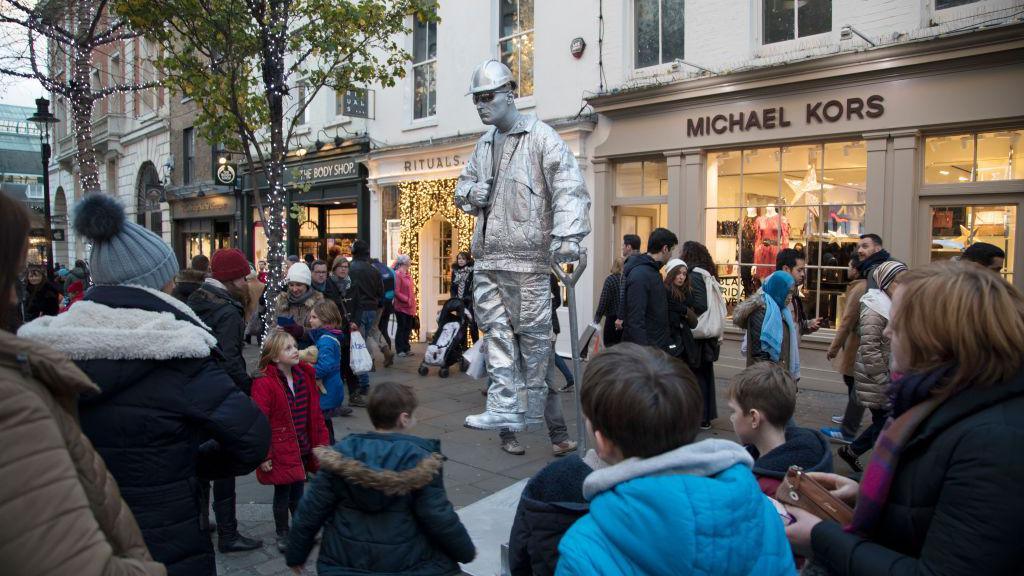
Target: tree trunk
82,103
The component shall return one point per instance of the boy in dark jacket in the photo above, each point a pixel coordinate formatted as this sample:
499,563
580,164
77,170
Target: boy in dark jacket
762,399
646,321
551,502
385,492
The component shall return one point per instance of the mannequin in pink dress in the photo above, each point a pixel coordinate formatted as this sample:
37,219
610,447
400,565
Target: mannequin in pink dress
772,236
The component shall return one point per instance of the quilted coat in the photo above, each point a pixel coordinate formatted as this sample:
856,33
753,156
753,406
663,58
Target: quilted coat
63,512
847,339
268,393
871,368
380,500
166,413
694,510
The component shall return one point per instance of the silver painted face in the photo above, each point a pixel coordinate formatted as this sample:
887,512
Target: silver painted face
493,107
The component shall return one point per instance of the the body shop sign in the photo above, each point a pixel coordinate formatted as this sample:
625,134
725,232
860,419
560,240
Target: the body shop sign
323,171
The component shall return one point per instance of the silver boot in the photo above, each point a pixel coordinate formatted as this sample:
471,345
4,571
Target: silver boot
496,421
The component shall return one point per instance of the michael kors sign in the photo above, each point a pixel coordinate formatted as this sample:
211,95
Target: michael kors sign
819,112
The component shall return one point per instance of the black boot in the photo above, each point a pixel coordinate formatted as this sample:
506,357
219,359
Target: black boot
228,538
281,522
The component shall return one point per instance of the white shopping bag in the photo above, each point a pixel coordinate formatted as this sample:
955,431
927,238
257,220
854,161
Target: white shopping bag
360,360
477,361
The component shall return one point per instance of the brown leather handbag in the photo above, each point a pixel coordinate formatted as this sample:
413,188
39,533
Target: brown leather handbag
800,490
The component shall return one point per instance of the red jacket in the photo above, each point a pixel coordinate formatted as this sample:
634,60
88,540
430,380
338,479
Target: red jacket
75,292
286,461
405,294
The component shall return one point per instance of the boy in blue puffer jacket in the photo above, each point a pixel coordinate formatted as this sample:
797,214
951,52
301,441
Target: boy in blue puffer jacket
666,505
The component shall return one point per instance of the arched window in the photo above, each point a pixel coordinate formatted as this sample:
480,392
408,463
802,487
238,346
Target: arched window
149,193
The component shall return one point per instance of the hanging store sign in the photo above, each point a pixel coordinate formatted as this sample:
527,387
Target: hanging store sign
206,207
324,171
356,103
820,112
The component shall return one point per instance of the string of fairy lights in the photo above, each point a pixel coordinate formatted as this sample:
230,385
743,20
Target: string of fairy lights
418,201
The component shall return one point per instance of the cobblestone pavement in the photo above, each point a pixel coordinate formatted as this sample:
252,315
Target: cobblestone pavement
476,466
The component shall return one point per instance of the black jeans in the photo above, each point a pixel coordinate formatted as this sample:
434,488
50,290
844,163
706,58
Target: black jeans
385,316
705,374
866,440
854,410
286,498
402,333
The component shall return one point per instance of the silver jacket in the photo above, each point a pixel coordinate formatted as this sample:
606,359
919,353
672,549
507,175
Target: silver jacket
538,199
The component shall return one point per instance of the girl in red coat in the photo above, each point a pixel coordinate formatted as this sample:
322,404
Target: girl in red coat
286,392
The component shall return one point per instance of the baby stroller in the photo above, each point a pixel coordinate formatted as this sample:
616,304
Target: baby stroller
449,341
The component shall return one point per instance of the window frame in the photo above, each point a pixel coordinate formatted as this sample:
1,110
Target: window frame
429,63
973,181
513,38
661,41
188,155
796,24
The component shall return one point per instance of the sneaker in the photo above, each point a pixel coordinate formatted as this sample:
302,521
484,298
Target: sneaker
563,448
513,447
282,542
836,435
837,419
357,400
568,387
705,425
851,459
343,411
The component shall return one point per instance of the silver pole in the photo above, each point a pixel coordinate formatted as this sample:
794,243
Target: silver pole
569,280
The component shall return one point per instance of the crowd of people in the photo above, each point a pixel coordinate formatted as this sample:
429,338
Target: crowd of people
130,412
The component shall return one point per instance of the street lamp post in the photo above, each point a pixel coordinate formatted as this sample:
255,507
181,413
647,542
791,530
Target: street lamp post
44,119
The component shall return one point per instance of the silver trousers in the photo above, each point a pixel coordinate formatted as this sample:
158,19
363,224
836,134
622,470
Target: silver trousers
514,311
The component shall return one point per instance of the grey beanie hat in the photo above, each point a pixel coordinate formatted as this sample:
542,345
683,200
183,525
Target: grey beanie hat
122,251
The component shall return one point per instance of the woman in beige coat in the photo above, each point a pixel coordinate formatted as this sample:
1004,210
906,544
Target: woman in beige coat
871,368
62,511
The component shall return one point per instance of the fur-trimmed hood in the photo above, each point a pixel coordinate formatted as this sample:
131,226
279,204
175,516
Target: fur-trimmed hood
124,323
744,309
378,469
190,275
388,482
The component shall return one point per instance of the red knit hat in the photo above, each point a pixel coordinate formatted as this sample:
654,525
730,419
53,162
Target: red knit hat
228,264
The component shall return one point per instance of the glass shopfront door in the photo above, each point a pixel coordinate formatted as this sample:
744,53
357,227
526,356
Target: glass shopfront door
954,227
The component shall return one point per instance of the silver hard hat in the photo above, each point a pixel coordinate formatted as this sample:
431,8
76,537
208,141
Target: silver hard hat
489,76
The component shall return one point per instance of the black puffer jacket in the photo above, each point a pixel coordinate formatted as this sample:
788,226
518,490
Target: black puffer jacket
166,414
681,322
381,501
226,318
955,503
646,320
551,502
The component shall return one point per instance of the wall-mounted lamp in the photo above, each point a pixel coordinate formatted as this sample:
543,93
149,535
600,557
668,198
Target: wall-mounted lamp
847,32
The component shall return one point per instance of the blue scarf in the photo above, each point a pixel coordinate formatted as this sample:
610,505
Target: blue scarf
775,290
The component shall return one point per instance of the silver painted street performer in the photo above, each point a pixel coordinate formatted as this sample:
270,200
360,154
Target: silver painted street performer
532,209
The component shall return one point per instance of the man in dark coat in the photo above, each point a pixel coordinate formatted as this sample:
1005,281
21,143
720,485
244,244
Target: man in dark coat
367,292
646,320
189,279
218,303
167,413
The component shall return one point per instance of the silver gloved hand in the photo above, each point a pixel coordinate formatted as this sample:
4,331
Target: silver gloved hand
565,251
480,195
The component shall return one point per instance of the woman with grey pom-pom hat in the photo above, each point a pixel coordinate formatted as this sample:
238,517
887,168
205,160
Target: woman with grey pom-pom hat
167,413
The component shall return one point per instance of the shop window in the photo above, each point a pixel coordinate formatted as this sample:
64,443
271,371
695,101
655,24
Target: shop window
443,257
637,179
954,228
302,102
658,31
979,157
807,197
943,4
515,42
424,68
342,221
790,19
